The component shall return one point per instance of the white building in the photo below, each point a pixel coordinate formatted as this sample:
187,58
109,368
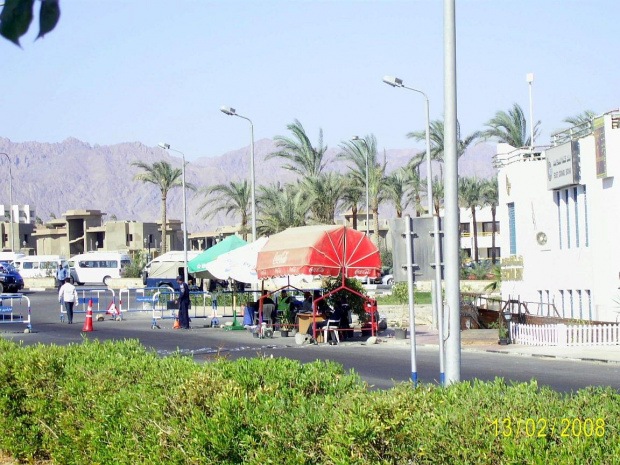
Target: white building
21,214
558,208
484,228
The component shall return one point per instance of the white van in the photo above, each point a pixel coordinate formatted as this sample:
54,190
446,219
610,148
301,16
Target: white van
163,270
39,266
98,267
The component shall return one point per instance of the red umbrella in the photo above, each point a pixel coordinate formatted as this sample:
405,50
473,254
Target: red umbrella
319,250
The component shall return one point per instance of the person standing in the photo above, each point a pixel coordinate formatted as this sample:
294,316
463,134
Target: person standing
61,274
68,294
183,302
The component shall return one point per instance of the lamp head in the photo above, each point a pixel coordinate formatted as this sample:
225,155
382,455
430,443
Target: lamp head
228,110
529,77
355,138
164,146
393,81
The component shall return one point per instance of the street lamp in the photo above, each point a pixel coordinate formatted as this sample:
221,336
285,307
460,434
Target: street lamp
367,150
10,200
165,146
232,112
437,304
530,78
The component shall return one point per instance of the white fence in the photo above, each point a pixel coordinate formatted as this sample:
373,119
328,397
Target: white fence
566,335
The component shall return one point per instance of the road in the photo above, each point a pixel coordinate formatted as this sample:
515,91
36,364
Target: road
380,365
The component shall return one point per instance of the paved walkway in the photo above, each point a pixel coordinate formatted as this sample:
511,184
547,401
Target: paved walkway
486,340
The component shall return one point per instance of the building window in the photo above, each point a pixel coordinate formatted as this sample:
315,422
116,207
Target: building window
575,197
466,253
465,229
562,295
572,307
557,203
540,295
490,252
487,227
589,303
512,228
129,238
580,304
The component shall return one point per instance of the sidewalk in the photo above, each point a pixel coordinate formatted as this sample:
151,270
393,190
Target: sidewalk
485,340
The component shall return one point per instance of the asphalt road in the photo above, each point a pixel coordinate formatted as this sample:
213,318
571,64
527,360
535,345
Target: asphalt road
380,365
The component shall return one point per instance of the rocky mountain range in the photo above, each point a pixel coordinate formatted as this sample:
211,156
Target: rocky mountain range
56,177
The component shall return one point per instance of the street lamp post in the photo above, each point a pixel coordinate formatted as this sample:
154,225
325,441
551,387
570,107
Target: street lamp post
530,78
367,206
437,301
232,112
10,200
165,146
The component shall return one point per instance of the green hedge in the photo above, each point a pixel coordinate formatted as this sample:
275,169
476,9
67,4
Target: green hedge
117,403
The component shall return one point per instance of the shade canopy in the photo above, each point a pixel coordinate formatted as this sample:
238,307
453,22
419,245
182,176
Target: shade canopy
199,264
238,264
325,250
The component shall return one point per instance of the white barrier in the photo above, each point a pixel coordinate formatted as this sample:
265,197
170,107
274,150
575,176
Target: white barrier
565,335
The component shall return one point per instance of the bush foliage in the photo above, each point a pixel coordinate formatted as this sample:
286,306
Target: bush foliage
118,403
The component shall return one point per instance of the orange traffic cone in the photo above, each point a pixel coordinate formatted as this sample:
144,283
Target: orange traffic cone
176,324
88,323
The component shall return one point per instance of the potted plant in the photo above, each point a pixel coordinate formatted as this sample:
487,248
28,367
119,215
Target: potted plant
287,323
400,331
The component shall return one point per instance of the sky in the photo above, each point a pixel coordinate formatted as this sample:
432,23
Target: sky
118,71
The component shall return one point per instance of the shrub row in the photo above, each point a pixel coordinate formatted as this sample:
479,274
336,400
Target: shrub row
117,403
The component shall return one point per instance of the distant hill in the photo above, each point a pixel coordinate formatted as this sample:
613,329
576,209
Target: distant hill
54,178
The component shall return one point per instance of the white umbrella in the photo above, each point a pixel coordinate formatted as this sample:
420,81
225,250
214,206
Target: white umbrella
238,264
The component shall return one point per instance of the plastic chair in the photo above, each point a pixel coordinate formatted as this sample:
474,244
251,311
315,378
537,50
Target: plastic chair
333,326
268,313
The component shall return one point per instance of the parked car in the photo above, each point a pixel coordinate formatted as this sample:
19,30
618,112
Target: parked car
387,279
10,279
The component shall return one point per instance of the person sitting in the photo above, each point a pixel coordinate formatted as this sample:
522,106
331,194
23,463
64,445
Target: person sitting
329,315
269,309
306,306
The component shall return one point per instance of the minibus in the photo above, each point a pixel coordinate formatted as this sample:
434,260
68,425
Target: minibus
98,267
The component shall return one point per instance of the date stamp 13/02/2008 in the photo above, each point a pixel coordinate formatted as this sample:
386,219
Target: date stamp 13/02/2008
543,427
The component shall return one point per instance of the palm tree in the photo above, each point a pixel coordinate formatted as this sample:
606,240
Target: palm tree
165,177
229,198
281,207
438,194
352,196
490,197
325,192
581,118
358,153
305,160
411,173
396,190
436,136
470,196
510,128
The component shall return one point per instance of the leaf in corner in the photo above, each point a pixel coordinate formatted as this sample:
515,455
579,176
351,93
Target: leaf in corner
48,16
15,19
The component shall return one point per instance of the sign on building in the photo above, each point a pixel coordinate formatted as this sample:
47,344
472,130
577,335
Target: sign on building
600,146
562,165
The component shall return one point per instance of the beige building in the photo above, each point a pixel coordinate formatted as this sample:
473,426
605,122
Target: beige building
84,230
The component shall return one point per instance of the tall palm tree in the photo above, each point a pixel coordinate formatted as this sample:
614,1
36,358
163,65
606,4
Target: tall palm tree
470,196
581,118
325,193
304,159
233,198
357,153
436,134
490,197
510,127
165,177
281,207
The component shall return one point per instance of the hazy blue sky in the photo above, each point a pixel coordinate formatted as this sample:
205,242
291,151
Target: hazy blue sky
137,70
